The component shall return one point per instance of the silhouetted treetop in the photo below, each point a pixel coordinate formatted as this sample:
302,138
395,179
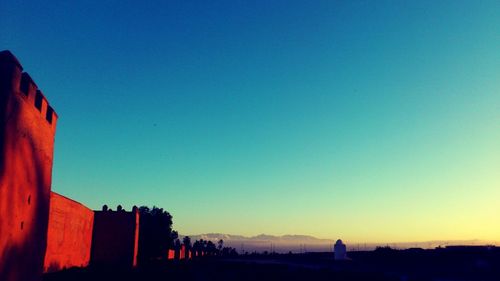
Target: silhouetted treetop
156,234
187,242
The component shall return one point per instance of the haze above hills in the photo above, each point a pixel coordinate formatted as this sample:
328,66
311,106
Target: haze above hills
307,243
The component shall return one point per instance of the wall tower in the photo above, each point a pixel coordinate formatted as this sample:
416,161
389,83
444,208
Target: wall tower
27,130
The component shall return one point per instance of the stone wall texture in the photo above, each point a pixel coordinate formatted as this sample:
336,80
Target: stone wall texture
69,236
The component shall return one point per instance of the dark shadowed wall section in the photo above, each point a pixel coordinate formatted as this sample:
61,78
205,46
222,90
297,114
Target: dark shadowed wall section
115,238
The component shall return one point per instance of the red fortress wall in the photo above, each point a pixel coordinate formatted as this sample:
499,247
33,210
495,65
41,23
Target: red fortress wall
115,238
27,129
69,235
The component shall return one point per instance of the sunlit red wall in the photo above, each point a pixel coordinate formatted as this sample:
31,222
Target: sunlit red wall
26,152
183,252
69,235
115,238
171,254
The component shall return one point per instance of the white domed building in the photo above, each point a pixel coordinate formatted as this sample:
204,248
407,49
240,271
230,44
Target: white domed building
340,250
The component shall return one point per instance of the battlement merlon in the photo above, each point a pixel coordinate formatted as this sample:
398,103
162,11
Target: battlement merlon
13,80
7,56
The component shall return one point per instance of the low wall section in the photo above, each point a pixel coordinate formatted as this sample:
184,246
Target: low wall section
69,236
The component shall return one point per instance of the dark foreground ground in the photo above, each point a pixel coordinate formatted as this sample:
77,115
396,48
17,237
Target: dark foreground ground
213,270
415,264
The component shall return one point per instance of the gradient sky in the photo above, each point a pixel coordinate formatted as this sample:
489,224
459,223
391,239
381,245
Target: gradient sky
374,121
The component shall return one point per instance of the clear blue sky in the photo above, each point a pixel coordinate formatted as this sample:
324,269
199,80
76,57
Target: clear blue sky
367,120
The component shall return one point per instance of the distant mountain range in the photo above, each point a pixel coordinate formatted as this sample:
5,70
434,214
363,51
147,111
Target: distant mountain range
306,243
